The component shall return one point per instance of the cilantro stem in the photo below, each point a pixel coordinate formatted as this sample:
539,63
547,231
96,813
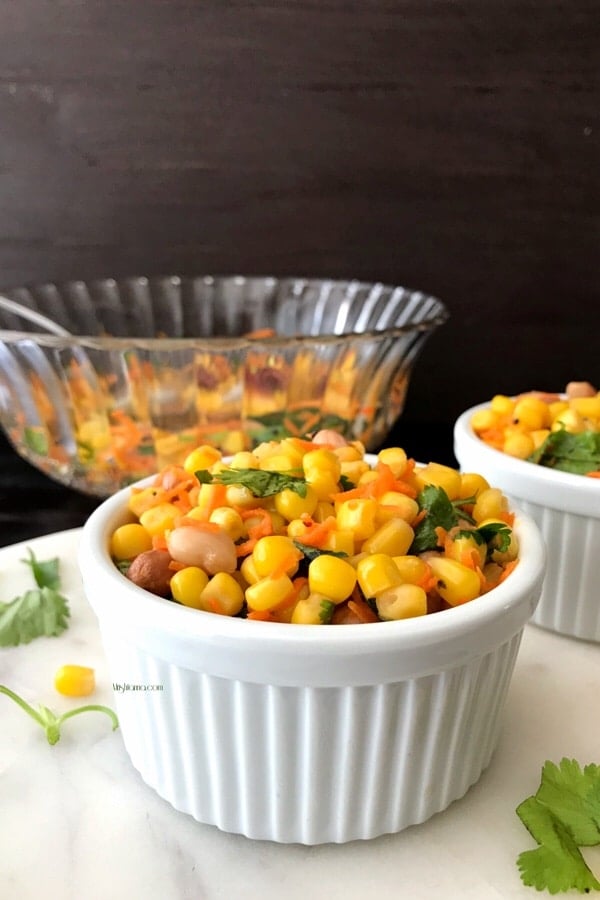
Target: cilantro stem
49,721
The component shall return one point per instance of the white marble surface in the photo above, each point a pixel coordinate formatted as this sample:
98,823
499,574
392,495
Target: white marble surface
77,822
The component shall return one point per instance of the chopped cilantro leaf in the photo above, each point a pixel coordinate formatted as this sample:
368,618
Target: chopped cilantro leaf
313,552
37,612
575,453
326,611
562,816
261,482
440,512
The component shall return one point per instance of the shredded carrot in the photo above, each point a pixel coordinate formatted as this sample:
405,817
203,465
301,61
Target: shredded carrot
429,581
593,474
176,566
441,535
200,524
288,562
317,533
159,542
215,605
508,568
385,481
260,615
507,517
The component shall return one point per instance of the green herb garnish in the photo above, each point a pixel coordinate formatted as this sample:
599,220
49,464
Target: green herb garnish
575,453
326,611
497,532
36,440
261,482
49,721
312,552
562,816
441,512
37,612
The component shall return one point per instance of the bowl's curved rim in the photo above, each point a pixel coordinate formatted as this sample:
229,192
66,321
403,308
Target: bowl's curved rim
538,484
434,319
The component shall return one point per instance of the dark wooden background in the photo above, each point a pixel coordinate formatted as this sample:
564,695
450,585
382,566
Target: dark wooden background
449,146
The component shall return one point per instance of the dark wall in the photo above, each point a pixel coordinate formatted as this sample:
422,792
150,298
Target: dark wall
450,146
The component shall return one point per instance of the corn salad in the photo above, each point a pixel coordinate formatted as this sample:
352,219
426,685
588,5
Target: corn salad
309,532
531,426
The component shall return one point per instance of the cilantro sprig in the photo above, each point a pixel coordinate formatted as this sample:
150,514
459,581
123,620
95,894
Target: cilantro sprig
261,482
562,816
575,453
40,611
49,721
440,512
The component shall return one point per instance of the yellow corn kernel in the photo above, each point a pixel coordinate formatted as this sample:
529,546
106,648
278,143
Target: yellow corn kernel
142,499
234,442
266,448
159,519
471,485
208,496
321,460
501,556
489,504
357,516
483,419
539,436
223,595
313,610
187,586
230,521
502,405
130,540
268,592
293,449
412,569
531,413
331,576
354,469
570,420
519,445
322,470
376,573
239,495
95,432
323,510
75,681
394,505
404,601
348,453
368,476
441,476
248,570
291,505
556,408
340,542
244,460
392,538
279,462
465,547
395,458
588,407
201,458
456,583
272,552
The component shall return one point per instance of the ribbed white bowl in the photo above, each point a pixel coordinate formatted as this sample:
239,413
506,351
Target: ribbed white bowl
566,508
307,734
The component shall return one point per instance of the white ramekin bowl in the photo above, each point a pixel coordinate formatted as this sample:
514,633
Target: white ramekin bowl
307,734
566,507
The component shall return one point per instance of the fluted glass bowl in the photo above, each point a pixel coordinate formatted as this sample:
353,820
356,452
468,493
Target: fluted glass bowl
156,366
